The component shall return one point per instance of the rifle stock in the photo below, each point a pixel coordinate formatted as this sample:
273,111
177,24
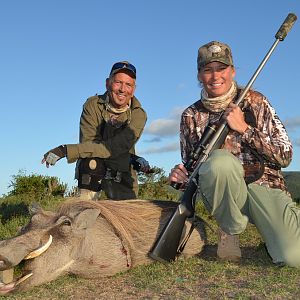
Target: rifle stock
165,249
166,246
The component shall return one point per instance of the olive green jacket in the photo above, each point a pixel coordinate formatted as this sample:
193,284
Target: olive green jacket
99,138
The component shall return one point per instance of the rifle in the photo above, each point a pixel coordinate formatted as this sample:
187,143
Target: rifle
166,246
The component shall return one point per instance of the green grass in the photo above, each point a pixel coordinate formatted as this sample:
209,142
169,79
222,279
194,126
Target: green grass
211,279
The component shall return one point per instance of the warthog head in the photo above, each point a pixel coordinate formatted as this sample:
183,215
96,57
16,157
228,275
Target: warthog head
87,238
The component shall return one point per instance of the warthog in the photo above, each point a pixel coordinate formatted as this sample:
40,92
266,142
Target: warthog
89,239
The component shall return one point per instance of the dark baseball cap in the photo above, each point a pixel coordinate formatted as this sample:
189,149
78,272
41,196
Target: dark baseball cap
214,51
123,65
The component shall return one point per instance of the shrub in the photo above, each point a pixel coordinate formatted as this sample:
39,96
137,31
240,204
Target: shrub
155,186
36,186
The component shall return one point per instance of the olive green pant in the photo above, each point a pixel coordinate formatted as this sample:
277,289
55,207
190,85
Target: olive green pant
233,203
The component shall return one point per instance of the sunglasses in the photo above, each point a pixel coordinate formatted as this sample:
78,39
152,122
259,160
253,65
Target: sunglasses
123,65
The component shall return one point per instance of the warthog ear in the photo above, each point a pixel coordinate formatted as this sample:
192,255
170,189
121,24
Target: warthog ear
87,218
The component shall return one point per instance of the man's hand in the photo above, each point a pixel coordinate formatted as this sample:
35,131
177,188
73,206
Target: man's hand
140,164
52,156
144,165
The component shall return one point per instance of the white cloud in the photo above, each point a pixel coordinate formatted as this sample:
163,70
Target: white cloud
176,112
171,147
163,127
166,127
181,86
156,139
292,123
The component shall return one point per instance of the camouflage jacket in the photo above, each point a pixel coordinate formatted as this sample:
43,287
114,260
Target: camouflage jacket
104,137
268,137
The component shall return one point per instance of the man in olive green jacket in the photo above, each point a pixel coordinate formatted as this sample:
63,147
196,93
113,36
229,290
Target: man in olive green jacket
110,126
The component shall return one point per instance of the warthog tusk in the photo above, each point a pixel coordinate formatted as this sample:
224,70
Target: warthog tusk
40,250
23,278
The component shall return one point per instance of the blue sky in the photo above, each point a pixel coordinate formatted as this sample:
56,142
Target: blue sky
55,54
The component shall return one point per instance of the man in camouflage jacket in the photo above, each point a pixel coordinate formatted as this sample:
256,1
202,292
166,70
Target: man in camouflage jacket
110,126
241,182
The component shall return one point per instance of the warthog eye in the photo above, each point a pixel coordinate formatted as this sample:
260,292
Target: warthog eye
66,222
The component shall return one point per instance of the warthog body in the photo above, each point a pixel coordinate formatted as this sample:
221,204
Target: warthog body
90,239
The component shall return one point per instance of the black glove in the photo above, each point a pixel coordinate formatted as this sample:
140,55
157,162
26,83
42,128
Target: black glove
52,156
140,164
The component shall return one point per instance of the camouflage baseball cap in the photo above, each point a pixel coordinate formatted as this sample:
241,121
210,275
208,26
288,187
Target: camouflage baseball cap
214,51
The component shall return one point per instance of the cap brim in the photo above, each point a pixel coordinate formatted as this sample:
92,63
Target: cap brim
217,60
124,70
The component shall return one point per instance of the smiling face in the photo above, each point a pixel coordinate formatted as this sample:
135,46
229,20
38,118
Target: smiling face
121,88
216,78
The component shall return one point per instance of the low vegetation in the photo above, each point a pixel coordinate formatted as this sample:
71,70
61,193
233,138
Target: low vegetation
201,277
36,186
293,183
